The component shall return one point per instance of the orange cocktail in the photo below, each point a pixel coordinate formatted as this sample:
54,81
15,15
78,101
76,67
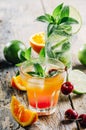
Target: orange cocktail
43,92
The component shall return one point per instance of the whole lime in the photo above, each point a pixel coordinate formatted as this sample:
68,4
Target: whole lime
82,54
11,51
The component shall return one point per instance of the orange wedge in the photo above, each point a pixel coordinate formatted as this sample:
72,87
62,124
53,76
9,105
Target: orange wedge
37,41
22,115
18,83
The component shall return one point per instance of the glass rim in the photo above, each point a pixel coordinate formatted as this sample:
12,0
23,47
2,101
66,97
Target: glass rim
62,68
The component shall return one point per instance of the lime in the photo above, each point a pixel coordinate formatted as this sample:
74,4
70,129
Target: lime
78,79
74,13
11,51
82,54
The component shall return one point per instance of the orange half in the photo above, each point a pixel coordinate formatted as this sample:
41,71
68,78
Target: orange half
18,83
22,115
37,41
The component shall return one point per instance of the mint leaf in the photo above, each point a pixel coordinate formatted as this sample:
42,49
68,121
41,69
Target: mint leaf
46,18
42,18
68,20
64,30
72,21
66,46
59,43
38,69
49,50
58,54
57,10
50,29
27,54
65,12
32,73
49,18
42,53
21,56
65,27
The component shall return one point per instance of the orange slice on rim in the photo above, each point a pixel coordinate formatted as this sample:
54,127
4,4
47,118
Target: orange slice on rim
18,83
22,115
37,41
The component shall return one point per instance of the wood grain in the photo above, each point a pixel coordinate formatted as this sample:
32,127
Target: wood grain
17,21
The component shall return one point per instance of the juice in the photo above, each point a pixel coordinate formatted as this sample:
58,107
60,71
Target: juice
44,94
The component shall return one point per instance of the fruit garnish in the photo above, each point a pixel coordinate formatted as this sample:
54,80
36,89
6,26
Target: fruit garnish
67,88
52,72
78,79
11,51
37,41
82,120
71,114
18,83
22,115
82,54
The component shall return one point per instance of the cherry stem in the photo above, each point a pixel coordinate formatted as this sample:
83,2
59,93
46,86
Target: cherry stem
71,102
70,99
79,119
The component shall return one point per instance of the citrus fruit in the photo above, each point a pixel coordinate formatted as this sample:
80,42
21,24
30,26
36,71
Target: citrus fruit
78,79
82,54
74,13
11,51
18,83
22,115
37,41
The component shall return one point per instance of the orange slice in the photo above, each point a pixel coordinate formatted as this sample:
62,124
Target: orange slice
22,115
37,41
18,83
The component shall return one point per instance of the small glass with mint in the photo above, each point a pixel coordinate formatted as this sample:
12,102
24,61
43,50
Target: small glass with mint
44,79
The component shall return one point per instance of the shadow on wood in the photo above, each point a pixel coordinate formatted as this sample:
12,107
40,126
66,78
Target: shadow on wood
4,64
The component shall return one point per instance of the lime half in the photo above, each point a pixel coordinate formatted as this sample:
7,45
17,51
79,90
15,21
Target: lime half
74,13
78,79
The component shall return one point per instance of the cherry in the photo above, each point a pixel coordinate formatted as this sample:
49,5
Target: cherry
71,114
82,120
67,88
52,72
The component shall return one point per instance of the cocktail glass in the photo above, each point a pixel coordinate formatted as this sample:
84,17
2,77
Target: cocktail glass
43,92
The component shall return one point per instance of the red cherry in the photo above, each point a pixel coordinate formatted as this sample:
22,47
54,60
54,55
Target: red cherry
83,120
67,88
71,114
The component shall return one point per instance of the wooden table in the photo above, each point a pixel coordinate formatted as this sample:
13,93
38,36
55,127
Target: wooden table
17,22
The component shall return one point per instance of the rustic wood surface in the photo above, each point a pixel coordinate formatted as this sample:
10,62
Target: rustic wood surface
17,21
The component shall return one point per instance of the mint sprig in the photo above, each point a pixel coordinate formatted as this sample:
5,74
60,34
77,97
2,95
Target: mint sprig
24,55
59,19
38,70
